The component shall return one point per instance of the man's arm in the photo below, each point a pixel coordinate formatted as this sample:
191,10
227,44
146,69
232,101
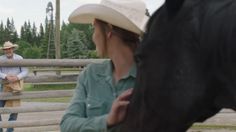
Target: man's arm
23,73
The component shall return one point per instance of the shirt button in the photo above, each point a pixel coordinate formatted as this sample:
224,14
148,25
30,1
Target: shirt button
88,105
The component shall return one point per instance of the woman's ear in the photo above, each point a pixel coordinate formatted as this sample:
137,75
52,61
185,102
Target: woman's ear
109,34
109,31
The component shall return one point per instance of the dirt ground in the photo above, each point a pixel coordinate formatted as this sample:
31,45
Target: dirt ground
226,117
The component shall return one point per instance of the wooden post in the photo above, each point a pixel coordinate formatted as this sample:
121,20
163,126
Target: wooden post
57,36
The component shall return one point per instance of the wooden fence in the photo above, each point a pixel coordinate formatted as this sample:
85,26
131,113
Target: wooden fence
34,95
41,94
41,124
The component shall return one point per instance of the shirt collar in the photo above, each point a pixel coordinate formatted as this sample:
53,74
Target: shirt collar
108,70
133,71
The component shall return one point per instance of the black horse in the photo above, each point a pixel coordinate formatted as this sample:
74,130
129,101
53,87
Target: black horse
186,66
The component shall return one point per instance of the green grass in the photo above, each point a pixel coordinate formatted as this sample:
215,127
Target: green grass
30,87
55,100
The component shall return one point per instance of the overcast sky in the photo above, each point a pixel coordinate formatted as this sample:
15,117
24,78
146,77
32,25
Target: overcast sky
35,10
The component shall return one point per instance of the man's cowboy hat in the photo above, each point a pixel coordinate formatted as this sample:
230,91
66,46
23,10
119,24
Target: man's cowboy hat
8,45
126,14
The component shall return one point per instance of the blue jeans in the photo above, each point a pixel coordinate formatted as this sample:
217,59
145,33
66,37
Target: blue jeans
13,117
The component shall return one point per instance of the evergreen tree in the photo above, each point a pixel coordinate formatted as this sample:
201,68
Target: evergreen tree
22,33
29,33
41,36
41,32
76,40
13,32
32,52
23,45
28,51
64,37
10,33
44,39
2,33
77,45
67,36
7,30
35,41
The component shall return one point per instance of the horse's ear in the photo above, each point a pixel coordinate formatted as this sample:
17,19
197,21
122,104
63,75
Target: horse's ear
173,6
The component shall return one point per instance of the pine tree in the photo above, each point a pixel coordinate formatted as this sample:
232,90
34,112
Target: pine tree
10,33
2,33
77,44
35,40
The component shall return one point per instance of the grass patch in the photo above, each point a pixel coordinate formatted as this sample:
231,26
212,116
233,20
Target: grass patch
55,100
30,87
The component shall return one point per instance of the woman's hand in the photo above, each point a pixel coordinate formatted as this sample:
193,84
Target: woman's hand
119,107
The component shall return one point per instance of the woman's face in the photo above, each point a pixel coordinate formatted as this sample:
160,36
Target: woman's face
99,39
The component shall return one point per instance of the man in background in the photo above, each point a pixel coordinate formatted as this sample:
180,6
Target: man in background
12,79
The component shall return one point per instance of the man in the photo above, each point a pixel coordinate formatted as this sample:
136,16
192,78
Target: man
11,79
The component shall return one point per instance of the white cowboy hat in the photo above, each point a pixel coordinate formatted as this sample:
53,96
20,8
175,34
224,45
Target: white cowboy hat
126,14
8,45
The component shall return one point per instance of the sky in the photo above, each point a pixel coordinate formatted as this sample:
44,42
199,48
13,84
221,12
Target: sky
35,10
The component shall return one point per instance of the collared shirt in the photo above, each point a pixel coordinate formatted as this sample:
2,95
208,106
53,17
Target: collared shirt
20,72
93,97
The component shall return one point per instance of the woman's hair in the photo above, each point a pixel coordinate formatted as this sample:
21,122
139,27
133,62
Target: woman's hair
132,39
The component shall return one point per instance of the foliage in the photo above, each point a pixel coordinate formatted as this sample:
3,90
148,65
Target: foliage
32,52
27,50
31,87
76,39
92,54
8,32
76,44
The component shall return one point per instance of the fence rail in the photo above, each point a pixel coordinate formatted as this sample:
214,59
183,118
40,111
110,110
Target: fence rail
37,94
58,107
29,123
51,78
49,62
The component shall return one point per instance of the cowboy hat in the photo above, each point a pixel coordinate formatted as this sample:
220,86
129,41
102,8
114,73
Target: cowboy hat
8,45
126,14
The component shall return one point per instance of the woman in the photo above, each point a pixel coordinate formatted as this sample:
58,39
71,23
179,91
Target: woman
101,96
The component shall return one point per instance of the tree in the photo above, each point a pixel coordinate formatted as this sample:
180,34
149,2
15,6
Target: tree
76,40
28,51
64,37
10,33
2,33
23,45
13,32
32,52
68,33
41,32
77,45
34,33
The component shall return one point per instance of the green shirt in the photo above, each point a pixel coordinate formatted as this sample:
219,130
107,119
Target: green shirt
93,97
